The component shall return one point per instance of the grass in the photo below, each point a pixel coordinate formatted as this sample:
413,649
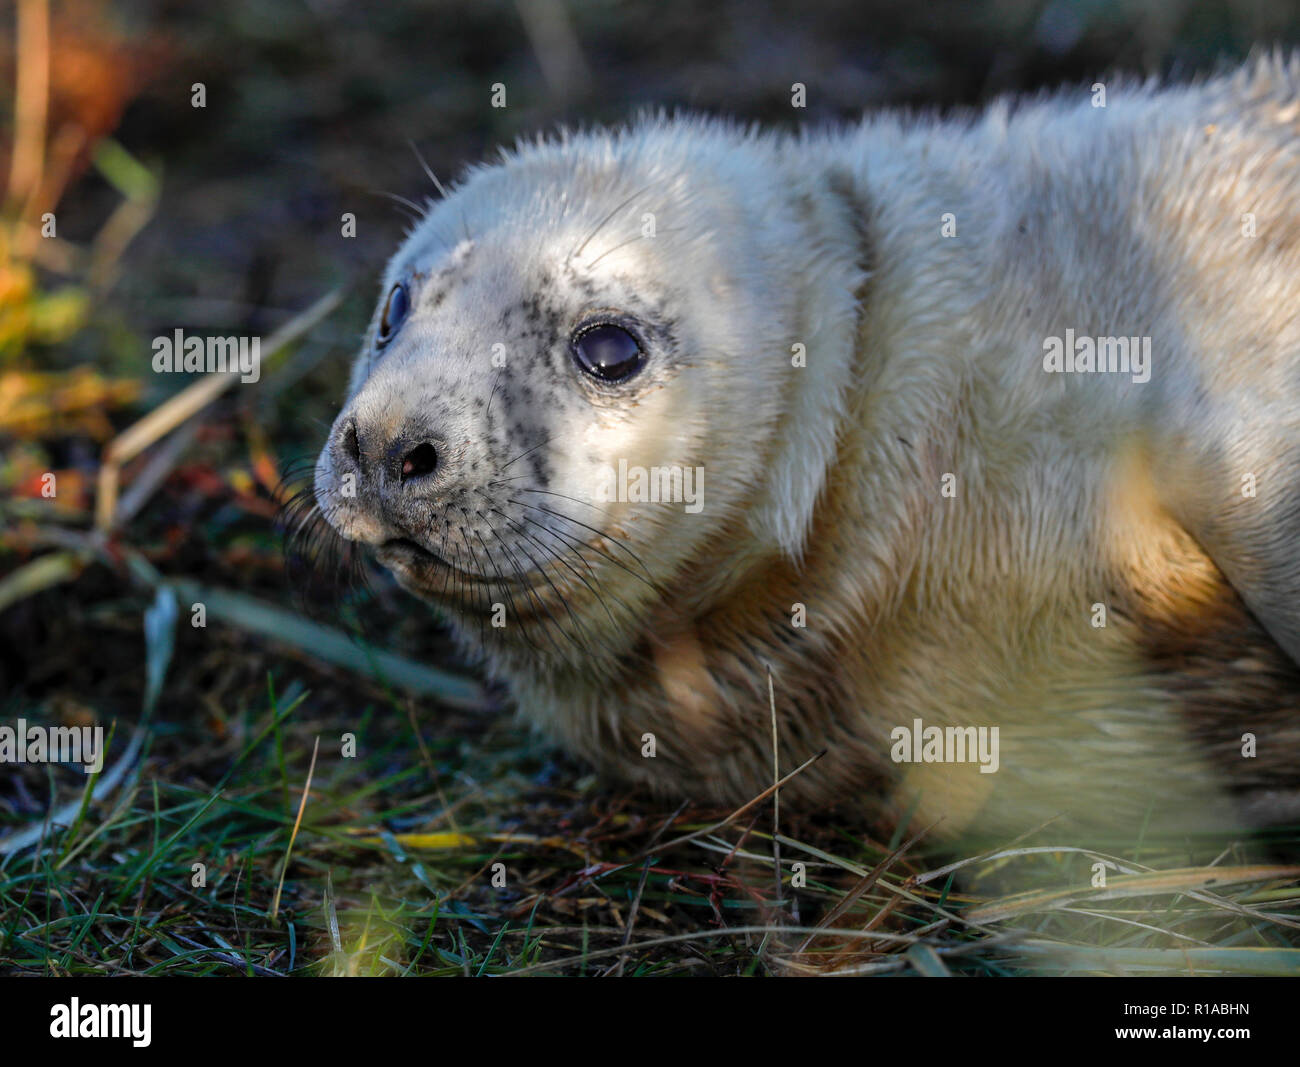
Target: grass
383,862
228,740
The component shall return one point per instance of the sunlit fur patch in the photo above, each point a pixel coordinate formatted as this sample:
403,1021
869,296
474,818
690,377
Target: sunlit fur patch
1230,679
1195,636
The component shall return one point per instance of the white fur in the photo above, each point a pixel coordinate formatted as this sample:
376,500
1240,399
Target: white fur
924,359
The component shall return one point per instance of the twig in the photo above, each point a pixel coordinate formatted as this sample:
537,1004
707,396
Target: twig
155,472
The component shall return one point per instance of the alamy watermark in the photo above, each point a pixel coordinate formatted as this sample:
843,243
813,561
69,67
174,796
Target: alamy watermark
671,484
76,1019
1098,355
53,744
946,744
179,354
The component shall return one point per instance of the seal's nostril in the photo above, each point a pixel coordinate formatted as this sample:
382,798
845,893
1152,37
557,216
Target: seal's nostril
350,444
421,460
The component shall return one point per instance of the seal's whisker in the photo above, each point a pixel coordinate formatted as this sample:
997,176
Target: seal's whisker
571,543
482,597
497,381
612,538
533,595
559,558
497,582
503,585
447,571
541,568
608,251
565,496
605,221
428,170
420,211
463,597
576,547
605,535
529,452
595,548
323,568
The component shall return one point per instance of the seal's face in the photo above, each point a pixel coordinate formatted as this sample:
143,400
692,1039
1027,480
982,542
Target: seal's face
533,436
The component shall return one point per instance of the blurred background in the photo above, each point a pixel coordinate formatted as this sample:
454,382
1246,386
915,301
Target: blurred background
225,219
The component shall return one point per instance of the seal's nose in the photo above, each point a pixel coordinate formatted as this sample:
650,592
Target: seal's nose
420,461
345,453
383,469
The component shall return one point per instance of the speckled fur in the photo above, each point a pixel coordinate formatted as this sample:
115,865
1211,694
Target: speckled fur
823,483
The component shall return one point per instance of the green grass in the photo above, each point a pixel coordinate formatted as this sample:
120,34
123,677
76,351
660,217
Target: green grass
391,868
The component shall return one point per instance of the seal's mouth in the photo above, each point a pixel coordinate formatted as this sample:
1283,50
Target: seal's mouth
404,550
403,554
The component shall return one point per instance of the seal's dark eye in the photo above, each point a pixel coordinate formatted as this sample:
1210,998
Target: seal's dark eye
608,352
394,312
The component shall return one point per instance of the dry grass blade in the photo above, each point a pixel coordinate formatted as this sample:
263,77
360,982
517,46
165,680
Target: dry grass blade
1253,961
904,891
1126,866
778,899
449,840
738,812
293,836
155,472
39,574
1154,883
864,884
706,935
187,403
617,970
27,161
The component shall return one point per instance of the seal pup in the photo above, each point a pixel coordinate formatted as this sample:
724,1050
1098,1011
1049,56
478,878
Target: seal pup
981,434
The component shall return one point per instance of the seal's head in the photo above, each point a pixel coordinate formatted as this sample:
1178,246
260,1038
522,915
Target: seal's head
590,364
